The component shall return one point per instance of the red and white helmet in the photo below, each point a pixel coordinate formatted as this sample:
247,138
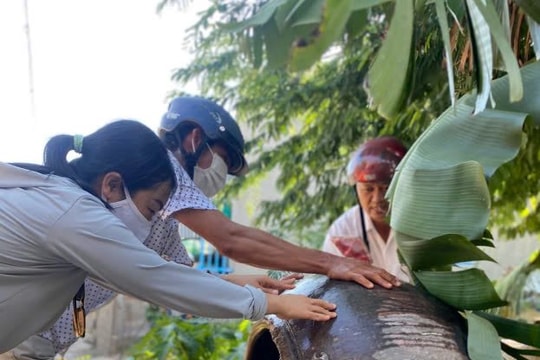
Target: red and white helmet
375,160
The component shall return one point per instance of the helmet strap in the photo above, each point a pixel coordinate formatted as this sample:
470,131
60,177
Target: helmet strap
191,158
362,220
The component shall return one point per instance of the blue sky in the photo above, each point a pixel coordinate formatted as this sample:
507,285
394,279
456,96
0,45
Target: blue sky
92,61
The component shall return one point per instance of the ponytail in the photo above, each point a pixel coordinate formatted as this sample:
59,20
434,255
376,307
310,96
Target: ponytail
124,146
55,156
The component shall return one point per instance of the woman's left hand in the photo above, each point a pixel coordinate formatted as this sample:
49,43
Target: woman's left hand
265,283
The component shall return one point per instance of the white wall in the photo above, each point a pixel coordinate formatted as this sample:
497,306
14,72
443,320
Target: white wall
245,209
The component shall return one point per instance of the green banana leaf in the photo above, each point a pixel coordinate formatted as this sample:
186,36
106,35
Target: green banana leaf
334,18
465,290
443,250
298,33
482,53
285,14
440,193
306,29
389,76
502,7
445,31
278,44
534,29
517,354
490,16
483,242
436,202
305,12
529,104
440,185
262,16
528,334
487,235
483,340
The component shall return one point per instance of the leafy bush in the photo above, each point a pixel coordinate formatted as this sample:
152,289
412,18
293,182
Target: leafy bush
174,338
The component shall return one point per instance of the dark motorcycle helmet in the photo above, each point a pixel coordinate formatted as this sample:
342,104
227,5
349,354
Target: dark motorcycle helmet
217,124
375,160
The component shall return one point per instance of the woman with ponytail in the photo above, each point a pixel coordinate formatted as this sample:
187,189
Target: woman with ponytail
68,220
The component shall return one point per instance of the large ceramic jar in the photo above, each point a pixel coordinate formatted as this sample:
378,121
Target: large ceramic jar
403,323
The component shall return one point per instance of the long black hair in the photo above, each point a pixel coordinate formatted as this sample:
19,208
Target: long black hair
124,146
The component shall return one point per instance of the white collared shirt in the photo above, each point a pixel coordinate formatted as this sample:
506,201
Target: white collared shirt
381,253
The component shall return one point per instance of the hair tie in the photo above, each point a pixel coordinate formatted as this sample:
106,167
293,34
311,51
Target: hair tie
78,143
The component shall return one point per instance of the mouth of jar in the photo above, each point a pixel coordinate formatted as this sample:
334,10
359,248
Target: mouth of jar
261,345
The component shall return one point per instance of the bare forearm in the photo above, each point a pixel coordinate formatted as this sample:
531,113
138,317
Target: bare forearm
253,246
258,248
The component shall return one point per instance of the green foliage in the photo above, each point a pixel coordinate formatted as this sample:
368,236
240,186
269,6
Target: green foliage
172,338
483,341
516,187
395,53
312,237
304,125
307,123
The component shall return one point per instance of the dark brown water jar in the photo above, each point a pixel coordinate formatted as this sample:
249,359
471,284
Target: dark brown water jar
403,323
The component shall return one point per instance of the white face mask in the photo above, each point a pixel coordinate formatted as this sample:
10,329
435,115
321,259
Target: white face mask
127,211
212,179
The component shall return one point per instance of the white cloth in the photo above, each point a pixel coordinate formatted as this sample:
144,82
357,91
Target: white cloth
53,235
164,239
382,254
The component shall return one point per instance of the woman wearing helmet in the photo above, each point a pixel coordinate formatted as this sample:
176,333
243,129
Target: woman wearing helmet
206,141
204,137
363,232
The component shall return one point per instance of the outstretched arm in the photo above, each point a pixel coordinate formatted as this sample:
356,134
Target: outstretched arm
265,283
258,248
